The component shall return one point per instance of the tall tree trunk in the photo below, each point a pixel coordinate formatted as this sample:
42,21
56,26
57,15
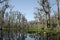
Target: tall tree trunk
46,8
48,20
58,13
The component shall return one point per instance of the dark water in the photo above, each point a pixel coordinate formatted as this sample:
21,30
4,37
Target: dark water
30,37
27,37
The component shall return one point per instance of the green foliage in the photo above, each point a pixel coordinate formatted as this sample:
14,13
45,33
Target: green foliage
11,29
40,31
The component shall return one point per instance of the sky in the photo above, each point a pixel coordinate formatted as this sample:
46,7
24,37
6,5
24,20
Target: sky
26,7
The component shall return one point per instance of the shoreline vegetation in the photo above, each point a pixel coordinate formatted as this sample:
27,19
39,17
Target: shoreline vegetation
33,30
